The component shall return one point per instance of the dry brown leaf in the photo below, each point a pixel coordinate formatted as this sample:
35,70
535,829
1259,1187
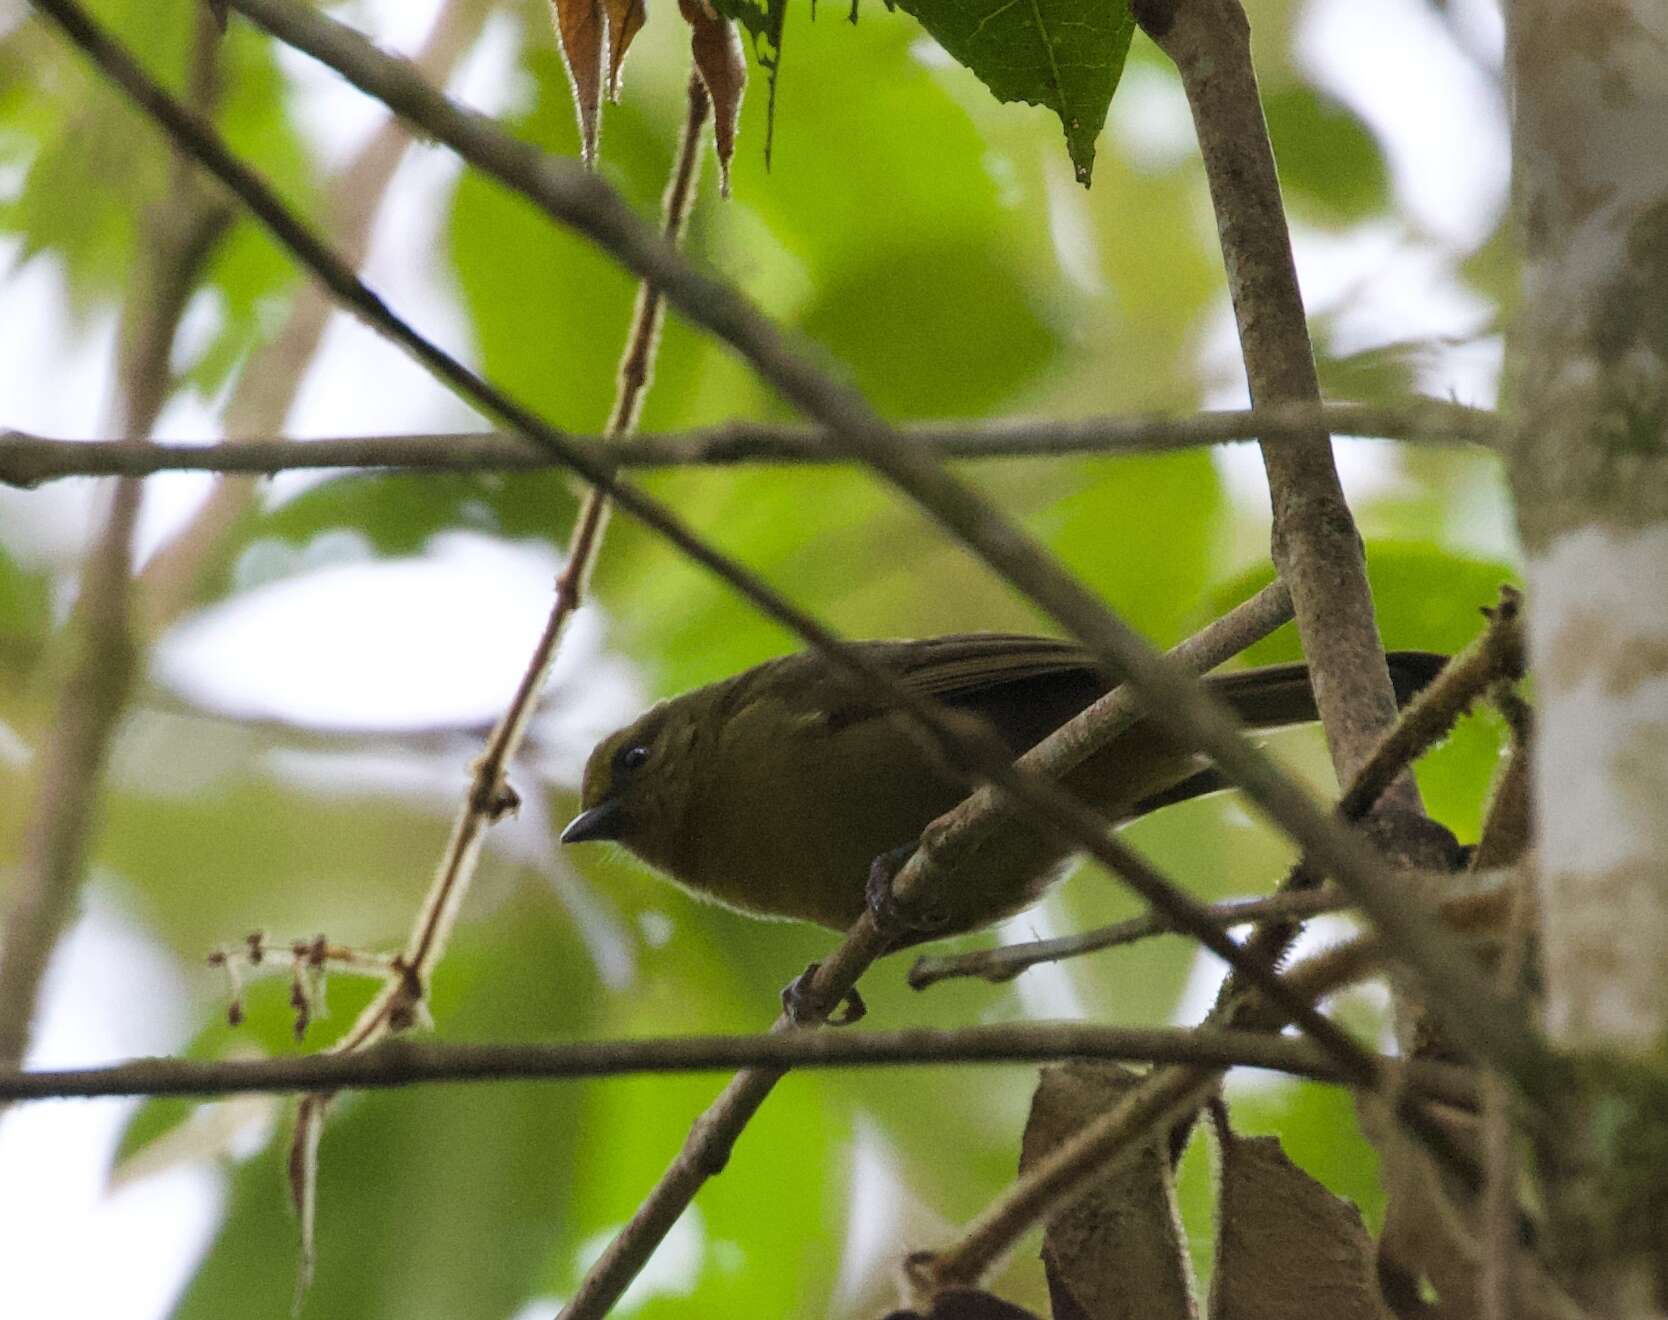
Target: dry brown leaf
582,26
625,21
1433,1236
1285,1245
1117,1253
719,60
304,1184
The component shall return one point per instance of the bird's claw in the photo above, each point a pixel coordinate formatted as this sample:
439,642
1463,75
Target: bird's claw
893,919
804,1010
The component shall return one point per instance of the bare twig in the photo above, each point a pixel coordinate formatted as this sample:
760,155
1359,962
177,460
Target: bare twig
402,1001
29,460
1495,657
1009,960
1505,834
409,1062
175,241
1316,547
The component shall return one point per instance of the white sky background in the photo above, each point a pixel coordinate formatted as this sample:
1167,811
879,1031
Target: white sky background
1436,109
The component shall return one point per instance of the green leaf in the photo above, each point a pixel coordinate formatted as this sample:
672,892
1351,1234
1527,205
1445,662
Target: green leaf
1066,55
1328,157
940,327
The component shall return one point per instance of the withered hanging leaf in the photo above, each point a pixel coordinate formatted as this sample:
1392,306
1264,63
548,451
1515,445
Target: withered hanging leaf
1117,1253
304,1184
582,26
625,21
718,59
763,21
1285,1245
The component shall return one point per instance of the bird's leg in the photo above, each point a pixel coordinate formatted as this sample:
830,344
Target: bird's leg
900,925
803,1010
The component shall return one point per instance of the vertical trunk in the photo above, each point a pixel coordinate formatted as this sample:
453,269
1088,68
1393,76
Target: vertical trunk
1588,463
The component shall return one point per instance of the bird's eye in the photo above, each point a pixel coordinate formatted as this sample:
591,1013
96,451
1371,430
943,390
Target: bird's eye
633,757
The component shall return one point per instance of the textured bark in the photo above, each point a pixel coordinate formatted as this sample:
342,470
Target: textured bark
1587,454
1588,461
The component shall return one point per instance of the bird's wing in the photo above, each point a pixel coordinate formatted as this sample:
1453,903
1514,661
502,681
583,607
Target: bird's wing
963,665
1025,686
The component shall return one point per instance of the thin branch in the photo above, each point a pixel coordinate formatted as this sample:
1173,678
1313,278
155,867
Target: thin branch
175,242
1495,1030
1315,545
1495,657
1009,960
29,460
406,1062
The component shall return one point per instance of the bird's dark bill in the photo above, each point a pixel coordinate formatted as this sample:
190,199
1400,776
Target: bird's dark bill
606,820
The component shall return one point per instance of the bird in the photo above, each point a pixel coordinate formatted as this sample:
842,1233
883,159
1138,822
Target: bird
777,791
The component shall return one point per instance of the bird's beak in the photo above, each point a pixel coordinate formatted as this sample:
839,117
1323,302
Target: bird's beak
606,820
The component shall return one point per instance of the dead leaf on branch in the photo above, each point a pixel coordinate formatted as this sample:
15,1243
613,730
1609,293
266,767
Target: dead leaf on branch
595,35
722,67
1117,1253
1285,1245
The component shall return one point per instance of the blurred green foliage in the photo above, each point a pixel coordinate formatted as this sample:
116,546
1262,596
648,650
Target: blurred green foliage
928,244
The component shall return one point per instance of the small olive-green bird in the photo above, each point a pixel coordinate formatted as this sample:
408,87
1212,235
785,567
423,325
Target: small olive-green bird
775,790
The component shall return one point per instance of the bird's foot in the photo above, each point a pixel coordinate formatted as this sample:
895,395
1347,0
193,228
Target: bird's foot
896,921
804,1010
